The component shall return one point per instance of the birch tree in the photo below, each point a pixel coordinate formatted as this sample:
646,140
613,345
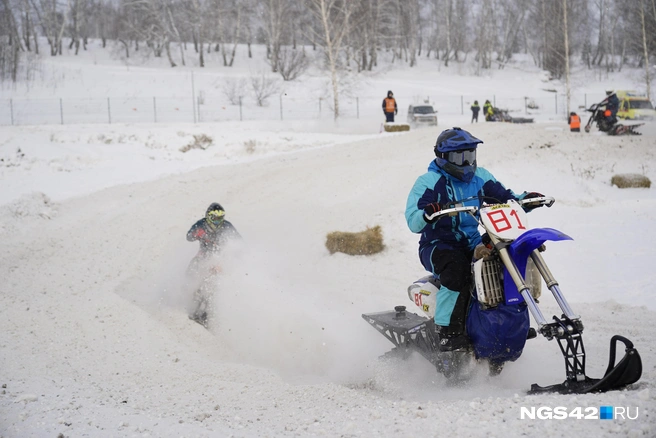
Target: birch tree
334,17
52,20
644,45
276,16
566,39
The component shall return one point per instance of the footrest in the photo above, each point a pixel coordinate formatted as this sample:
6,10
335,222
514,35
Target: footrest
396,320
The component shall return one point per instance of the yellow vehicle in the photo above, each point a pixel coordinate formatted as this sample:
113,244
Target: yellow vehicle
634,106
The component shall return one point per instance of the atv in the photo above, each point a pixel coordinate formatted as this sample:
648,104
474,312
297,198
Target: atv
607,123
505,289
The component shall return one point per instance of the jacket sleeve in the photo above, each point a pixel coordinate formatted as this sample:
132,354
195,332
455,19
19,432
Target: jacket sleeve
232,231
384,104
197,231
495,189
396,108
421,195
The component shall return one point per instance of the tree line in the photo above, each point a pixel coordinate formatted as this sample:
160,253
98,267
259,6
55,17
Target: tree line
605,34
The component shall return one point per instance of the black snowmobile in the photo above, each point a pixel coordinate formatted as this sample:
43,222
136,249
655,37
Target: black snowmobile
501,115
608,124
505,290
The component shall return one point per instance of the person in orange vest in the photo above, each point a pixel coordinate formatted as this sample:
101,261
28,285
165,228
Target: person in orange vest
389,107
574,122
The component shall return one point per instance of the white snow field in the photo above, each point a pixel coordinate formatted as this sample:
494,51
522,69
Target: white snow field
94,335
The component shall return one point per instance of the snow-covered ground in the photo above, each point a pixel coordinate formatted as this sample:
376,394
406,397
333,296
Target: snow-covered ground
95,340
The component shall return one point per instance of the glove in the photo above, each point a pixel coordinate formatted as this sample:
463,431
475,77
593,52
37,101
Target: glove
431,209
482,251
531,195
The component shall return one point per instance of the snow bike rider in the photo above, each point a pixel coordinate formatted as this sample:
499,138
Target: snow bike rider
213,232
446,246
612,105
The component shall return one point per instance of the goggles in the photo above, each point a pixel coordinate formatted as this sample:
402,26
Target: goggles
459,158
216,216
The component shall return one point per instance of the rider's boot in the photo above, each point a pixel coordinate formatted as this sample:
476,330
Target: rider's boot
200,314
451,340
452,337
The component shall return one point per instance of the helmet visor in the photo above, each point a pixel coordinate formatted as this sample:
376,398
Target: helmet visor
461,158
215,217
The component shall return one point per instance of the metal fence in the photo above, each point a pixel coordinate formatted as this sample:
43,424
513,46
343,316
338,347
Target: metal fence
281,107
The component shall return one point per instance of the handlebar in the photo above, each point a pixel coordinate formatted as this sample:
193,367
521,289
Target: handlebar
548,201
453,211
539,201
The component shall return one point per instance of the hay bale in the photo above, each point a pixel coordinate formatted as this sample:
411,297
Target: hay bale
396,127
369,241
628,180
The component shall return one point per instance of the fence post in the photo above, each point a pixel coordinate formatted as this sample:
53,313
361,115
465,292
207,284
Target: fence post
240,117
281,107
61,110
319,107
525,105
193,96
154,109
198,103
357,106
462,105
109,112
11,110
556,96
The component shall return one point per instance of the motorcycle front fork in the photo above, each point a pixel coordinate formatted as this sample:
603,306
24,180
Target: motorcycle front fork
549,279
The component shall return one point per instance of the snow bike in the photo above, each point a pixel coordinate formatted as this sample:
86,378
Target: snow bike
504,291
610,127
501,115
203,297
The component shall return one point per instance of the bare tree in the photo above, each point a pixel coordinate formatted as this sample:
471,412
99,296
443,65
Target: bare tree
230,23
233,89
263,87
292,63
77,29
566,40
276,14
485,35
53,22
364,38
512,23
334,18
644,45
10,44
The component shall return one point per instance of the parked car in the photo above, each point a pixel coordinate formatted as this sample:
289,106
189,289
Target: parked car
422,114
634,106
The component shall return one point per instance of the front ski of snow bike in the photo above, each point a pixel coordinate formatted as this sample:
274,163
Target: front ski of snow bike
568,330
618,375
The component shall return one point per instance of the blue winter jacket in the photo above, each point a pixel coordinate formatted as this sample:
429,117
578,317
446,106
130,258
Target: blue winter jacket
456,232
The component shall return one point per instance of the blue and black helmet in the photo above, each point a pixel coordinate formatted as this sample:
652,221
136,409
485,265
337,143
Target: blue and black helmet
455,139
455,150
